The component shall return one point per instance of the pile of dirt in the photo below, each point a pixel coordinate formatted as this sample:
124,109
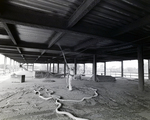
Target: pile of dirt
100,78
45,74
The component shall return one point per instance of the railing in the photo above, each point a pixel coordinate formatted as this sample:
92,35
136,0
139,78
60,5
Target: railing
125,74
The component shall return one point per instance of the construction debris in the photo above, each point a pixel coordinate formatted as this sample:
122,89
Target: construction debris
100,78
17,78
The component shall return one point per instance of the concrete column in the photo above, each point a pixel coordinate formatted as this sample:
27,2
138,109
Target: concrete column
64,69
140,68
58,67
5,61
75,66
121,68
94,67
104,68
149,69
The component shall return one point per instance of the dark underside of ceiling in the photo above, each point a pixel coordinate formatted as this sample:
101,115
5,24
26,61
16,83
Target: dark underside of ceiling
31,30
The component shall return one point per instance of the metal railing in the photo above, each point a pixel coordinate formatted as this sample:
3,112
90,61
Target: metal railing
125,74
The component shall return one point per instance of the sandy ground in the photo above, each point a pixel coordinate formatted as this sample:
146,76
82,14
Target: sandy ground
118,100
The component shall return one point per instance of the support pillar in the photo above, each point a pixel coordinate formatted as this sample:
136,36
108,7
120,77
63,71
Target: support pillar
58,67
5,61
10,66
64,69
104,68
53,67
149,69
50,67
121,68
33,67
27,66
75,66
140,68
84,68
94,67
47,67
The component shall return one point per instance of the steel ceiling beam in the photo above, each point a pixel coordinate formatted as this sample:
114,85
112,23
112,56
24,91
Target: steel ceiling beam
52,41
85,44
9,32
45,22
82,10
28,45
127,28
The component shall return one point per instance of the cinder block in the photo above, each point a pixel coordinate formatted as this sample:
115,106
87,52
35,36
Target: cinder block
17,78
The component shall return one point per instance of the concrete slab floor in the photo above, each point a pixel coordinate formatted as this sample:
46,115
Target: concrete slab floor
118,100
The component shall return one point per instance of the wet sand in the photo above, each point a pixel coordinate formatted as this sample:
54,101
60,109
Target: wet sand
118,100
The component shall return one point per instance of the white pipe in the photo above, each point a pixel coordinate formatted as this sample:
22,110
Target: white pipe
58,99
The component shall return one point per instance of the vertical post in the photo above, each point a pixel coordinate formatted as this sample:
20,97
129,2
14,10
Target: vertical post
5,61
53,67
50,67
149,69
27,66
58,67
84,68
13,65
75,66
140,67
33,67
64,69
10,66
47,67
94,67
16,65
104,68
121,68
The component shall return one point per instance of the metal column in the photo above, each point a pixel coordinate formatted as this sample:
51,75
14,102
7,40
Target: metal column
64,69
58,67
5,61
149,69
140,68
75,66
121,68
104,68
53,67
94,67
84,68
50,67
47,67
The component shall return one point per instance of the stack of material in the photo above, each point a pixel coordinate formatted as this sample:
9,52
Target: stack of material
17,78
100,78
41,74
45,74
